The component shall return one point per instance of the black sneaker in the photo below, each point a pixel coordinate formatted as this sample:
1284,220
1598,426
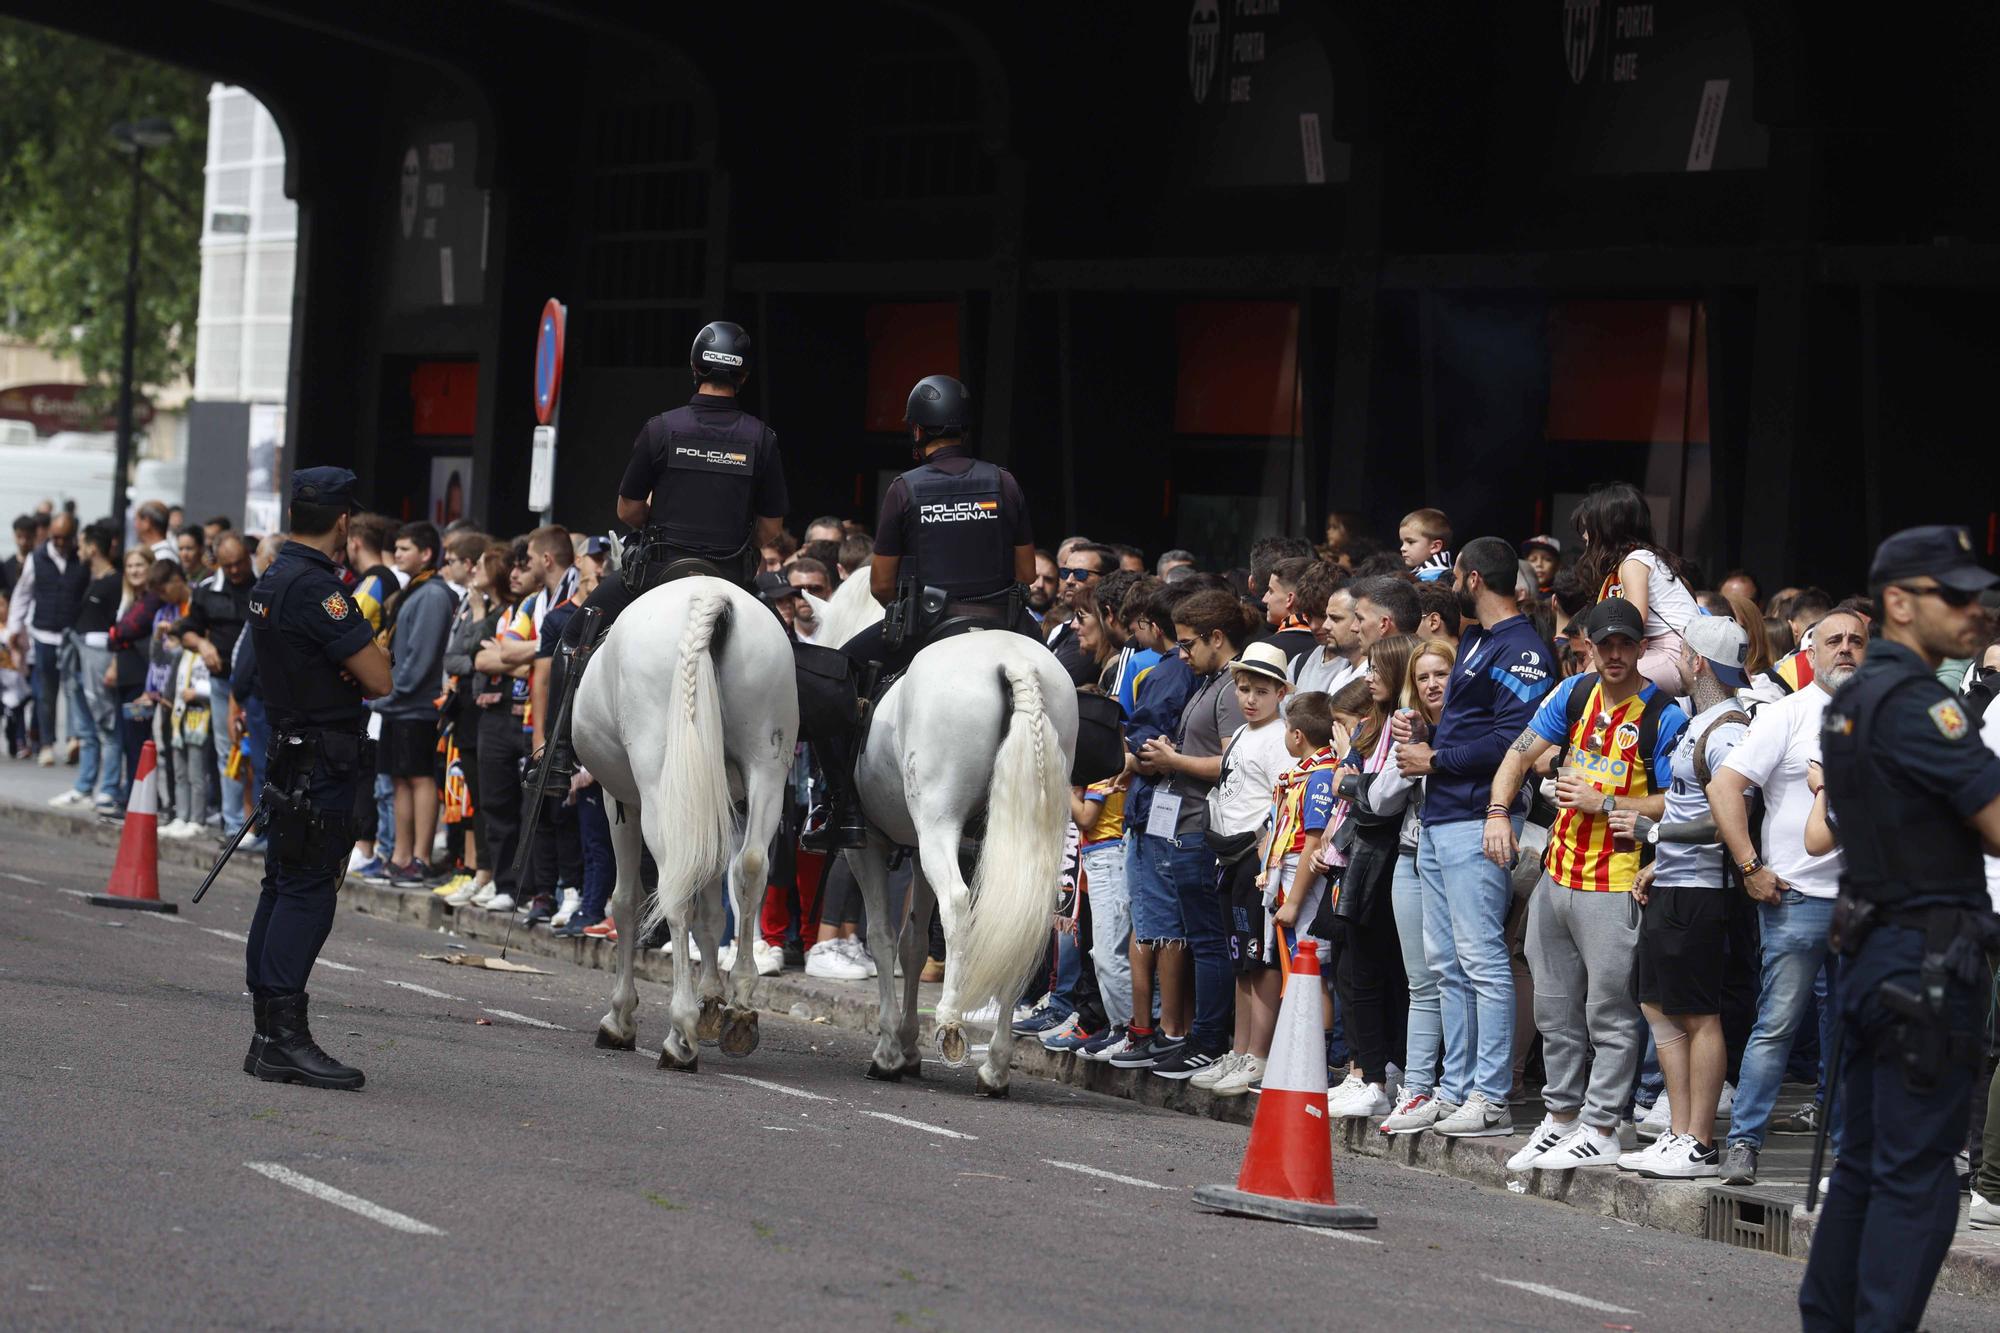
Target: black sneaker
1805,1120
795,955
1185,1062
1146,1053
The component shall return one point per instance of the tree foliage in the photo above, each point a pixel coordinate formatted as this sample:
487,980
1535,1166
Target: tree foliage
66,199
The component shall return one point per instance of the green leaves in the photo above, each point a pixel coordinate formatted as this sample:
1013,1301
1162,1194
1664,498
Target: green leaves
66,199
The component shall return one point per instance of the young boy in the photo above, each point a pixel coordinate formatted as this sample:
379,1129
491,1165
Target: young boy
1425,538
1240,805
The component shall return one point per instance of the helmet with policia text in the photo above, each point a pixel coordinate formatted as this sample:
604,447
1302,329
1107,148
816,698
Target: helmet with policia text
721,352
939,405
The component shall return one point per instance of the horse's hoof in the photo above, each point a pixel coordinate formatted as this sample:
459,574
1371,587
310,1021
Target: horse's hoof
882,1073
913,1067
708,1027
739,1032
668,1060
985,1089
951,1044
607,1040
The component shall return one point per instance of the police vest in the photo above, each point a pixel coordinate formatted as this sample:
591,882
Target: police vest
1895,844
301,689
58,592
955,532
702,497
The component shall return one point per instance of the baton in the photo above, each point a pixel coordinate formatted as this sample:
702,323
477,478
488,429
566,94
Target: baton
251,828
1826,1112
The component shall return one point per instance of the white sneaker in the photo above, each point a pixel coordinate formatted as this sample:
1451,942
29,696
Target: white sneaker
852,946
1683,1160
1583,1147
1209,1077
1024,1012
1640,1158
1542,1138
1416,1113
70,797
725,959
47,758
1341,1091
1727,1103
180,829
1984,1214
572,902
355,860
468,893
769,958
1368,1102
829,961
1477,1119
484,894
499,902
1248,1073
1658,1121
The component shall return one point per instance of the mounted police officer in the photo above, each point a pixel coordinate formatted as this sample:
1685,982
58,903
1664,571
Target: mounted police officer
703,493
318,659
1914,796
953,542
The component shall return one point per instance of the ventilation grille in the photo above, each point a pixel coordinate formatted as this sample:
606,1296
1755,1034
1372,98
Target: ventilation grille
1750,1220
917,131
645,263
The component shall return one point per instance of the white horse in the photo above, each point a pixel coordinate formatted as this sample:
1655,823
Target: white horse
983,723
687,708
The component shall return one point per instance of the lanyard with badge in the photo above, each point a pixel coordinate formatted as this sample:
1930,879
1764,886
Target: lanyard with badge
1163,819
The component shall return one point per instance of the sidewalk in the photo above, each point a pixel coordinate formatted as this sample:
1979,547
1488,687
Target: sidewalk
1695,1209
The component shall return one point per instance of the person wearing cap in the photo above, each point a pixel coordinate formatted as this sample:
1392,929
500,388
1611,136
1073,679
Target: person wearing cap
1618,731
1684,934
1544,556
1793,887
317,660
776,592
1914,797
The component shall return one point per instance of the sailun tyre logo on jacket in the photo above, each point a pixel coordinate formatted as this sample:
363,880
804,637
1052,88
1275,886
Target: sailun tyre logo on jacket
960,511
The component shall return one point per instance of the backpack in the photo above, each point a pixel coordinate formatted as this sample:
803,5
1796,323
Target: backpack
1649,724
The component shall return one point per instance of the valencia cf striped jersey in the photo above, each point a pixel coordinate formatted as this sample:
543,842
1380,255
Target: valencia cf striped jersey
1605,748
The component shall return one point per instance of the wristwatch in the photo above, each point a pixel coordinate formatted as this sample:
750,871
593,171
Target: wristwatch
1610,804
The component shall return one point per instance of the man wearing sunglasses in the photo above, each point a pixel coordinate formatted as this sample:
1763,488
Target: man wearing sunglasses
1082,570
1914,796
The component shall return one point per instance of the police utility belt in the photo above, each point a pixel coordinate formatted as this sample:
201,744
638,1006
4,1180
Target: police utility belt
658,554
1957,942
298,831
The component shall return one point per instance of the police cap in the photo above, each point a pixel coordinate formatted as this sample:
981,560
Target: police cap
721,351
332,487
1941,550
939,405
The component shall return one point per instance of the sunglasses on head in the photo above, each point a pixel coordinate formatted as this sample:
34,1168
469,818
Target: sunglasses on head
1952,597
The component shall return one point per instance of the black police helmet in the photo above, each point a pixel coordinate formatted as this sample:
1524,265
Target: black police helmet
939,405
721,351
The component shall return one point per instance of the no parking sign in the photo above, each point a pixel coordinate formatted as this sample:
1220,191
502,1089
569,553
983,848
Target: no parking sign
548,391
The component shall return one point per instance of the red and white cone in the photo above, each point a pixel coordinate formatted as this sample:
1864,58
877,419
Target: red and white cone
135,878
1287,1171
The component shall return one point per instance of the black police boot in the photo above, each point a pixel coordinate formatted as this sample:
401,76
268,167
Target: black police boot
291,1055
839,823
259,1006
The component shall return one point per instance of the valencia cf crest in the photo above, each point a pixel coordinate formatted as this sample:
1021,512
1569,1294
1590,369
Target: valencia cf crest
1204,46
335,607
1579,35
1950,719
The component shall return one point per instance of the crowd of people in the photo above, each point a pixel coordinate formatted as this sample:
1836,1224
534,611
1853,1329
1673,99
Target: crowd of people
1444,763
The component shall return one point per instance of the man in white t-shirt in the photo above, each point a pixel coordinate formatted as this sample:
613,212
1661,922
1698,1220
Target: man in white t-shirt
1340,658
1794,889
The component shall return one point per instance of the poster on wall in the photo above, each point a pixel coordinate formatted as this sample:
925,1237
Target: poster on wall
451,489
263,510
1257,101
440,220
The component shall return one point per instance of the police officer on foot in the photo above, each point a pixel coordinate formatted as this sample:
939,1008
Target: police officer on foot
705,484
955,523
318,659
1914,796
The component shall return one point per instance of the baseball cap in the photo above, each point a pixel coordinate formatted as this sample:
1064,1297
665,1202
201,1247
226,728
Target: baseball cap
1941,550
597,546
1721,643
1263,659
774,587
1614,615
330,486
1544,542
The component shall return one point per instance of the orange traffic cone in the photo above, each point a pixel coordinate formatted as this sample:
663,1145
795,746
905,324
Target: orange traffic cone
1287,1171
135,879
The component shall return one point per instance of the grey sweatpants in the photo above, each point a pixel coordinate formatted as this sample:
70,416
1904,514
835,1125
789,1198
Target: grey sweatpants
1580,948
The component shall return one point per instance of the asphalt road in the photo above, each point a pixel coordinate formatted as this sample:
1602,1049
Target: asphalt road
509,1175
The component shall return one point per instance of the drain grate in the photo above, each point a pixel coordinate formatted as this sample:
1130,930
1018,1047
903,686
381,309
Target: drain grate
1749,1219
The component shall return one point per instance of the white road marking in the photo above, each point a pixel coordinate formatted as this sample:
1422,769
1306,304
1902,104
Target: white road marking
1558,1294
1337,1233
225,935
421,990
374,1212
775,1087
338,967
75,916
74,893
918,1124
523,1018
1102,1175
24,879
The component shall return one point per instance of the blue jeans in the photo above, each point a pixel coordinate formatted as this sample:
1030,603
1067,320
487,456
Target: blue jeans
1187,866
1794,944
385,819
1426,1032
1465,942
1110,927
232,788
47,683
600,863
94,717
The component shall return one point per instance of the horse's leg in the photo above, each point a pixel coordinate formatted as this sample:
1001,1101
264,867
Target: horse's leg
618,1030
708,926
679,1050
749,880
937,854
916,946
870,865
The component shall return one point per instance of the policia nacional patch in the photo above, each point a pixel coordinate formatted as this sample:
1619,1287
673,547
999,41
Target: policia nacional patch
1950,719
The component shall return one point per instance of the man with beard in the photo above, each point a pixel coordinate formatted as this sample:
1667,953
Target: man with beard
1794,889
1341,657
1042,592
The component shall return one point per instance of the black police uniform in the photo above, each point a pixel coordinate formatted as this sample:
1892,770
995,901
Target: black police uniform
304,625
1905,769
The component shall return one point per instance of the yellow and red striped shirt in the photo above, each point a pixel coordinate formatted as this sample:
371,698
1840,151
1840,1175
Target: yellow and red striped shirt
1604,748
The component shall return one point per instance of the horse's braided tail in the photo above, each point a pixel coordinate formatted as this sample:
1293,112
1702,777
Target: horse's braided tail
1020,865
693,819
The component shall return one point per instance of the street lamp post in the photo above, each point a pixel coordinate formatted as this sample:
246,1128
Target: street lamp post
132,138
